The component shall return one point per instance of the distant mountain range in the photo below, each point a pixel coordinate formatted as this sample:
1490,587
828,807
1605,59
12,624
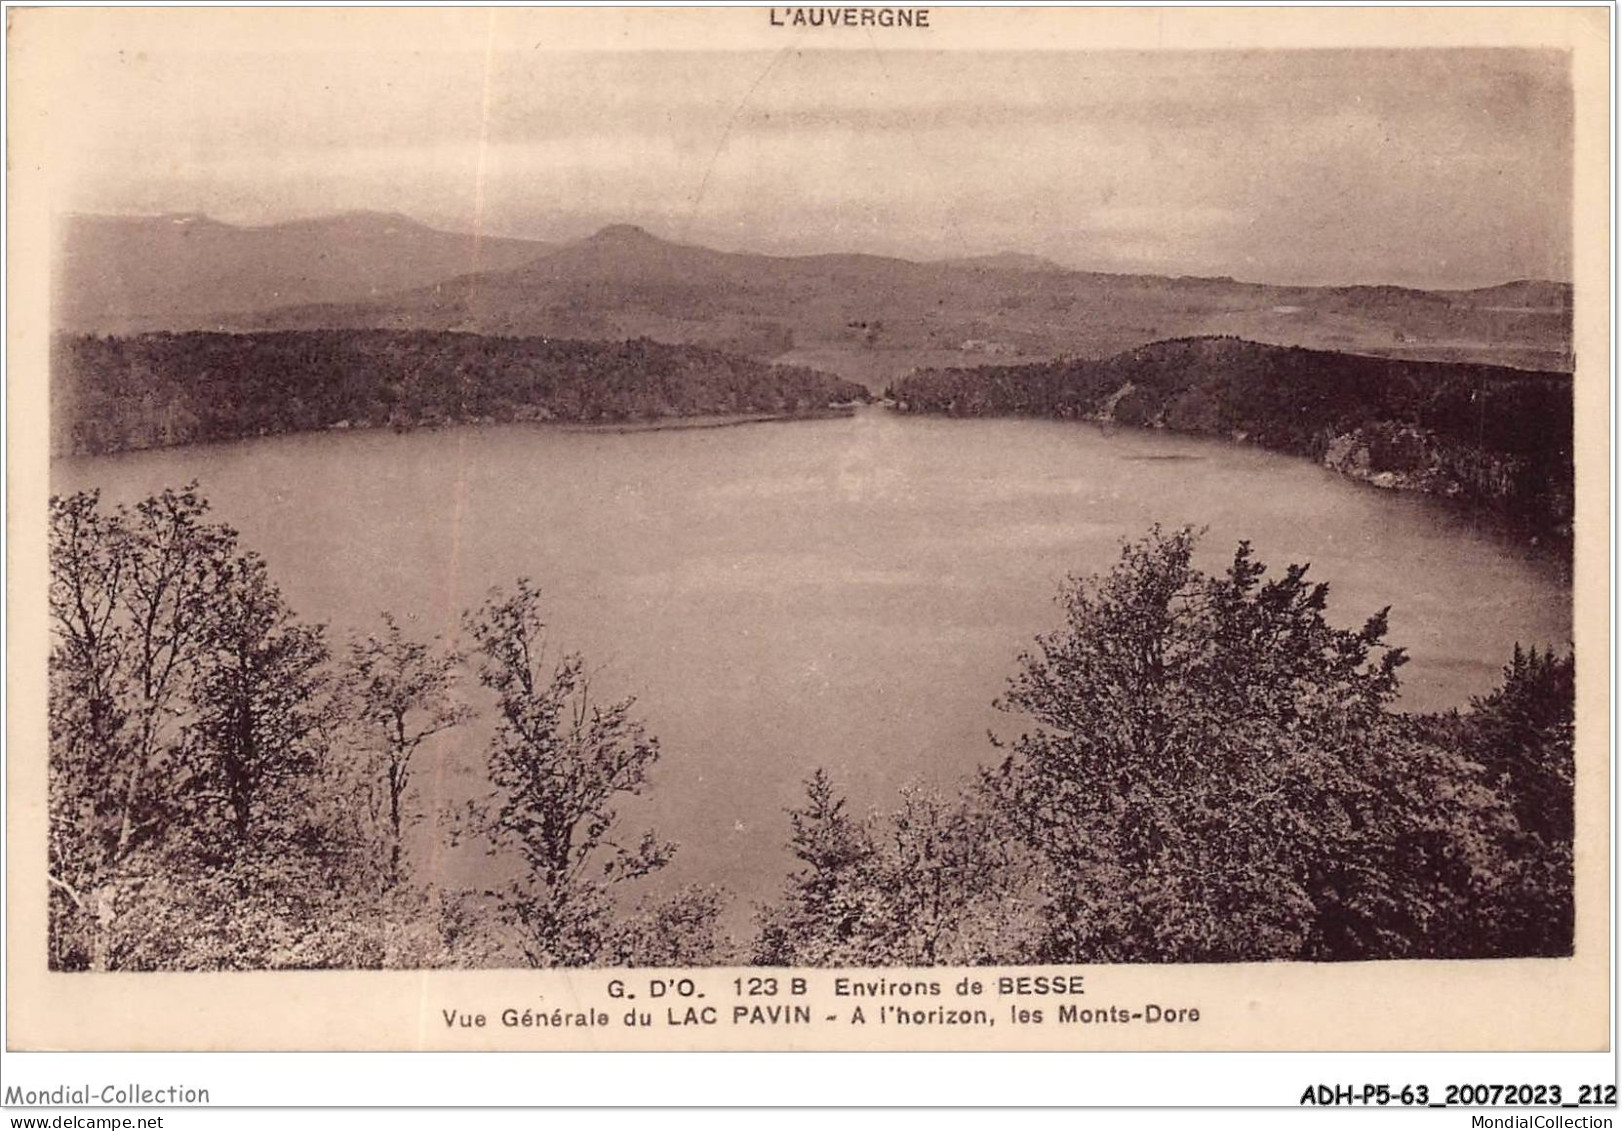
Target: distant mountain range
122,274
868,318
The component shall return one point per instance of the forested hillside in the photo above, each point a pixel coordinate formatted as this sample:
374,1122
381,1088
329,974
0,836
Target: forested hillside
1485,434
113,394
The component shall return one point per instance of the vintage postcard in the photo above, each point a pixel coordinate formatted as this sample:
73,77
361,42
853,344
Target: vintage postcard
808,529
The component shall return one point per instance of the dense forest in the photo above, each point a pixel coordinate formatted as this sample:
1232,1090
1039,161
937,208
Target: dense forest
1208,771
1490,436
112,394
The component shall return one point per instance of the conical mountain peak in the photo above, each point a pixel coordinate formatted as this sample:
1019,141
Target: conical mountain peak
625,234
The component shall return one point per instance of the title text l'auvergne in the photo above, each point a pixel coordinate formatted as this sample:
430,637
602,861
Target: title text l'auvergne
849,17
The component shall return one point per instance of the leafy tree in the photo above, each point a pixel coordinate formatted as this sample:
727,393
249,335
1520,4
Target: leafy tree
199,815
934,882
559,761
1215,775
1524,732
130,597
401,693
88,715
1524,736
262,709
680,930
832,904
960,889
186,705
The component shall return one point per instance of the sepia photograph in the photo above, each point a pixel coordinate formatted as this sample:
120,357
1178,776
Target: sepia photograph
517,493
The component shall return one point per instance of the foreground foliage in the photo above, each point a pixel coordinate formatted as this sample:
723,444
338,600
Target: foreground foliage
1211,771
932,883
1216,772
223,795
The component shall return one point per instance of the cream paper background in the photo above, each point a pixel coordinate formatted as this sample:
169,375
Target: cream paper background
1531,1004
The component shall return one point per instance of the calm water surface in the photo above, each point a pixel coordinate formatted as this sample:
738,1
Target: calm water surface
845,593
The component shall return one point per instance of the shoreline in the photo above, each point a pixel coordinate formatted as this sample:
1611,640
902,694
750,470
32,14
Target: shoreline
1557,544
686,423
655,424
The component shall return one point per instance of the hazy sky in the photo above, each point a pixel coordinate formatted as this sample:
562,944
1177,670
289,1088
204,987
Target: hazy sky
1449,167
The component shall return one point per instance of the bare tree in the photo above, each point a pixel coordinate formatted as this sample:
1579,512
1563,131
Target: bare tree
401,693
558,762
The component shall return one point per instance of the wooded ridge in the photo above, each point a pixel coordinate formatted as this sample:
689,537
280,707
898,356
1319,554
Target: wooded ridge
112,394
1483,434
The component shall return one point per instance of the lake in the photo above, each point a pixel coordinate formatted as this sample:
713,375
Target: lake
848,593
